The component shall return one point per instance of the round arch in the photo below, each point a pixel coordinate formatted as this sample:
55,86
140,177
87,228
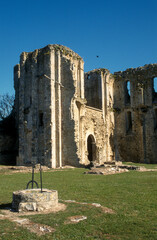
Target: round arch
91,147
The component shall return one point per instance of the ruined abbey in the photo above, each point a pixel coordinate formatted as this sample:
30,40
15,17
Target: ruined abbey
66,117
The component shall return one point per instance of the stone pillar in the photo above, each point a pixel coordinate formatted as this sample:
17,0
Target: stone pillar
82,78
16,87
59,89
20,158
53,109
34,111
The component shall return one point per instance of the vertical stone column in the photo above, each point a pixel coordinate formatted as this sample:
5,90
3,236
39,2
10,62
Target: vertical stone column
105,112
82,79
104,94
34,111
82,136
20,158
79,80
16,87
60,110
53,108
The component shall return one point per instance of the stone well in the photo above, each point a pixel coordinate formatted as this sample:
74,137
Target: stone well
34,200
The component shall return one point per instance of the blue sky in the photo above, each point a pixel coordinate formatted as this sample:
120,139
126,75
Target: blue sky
122,33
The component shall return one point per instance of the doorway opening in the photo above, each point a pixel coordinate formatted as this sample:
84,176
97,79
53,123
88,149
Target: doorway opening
91,146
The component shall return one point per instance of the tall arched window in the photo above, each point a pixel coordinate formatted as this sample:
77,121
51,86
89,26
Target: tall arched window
155,89
128,122
155,118
127,92
91,147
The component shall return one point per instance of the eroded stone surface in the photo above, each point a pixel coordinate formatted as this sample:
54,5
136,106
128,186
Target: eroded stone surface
66,117
57,123
106,171
34,200
116,167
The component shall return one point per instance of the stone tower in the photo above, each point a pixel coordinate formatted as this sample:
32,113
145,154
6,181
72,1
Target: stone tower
57,124
46,82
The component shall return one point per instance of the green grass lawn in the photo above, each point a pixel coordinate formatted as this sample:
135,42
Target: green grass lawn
132,195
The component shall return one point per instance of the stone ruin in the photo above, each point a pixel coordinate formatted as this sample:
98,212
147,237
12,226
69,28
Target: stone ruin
66,117
56,124
114,168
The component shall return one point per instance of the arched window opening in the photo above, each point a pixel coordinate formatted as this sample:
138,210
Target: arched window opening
128,87
127,92
155,89
41,121
88,76
155,118
91,147
128,122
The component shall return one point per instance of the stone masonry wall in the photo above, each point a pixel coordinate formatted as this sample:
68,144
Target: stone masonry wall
93,124
60,112
96,118
93,89
138,143
73,82
46,81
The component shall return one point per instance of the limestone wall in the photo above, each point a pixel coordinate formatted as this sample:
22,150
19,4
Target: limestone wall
92,123
138,143
98,121
73,81
46,81
93,89
61,114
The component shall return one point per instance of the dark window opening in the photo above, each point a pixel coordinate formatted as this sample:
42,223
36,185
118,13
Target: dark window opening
128,122
91,146
155,89
155,118
88,76
41,122
127,92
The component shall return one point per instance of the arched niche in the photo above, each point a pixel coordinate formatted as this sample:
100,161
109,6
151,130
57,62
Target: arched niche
91,147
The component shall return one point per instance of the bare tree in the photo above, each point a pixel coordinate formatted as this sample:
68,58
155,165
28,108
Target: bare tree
6,105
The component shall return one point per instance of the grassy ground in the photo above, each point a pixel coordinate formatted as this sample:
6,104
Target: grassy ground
132,195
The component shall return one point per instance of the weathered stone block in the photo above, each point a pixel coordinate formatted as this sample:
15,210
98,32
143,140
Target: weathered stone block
34,200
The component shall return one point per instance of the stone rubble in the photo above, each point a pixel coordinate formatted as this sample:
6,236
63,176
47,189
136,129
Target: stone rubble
75,219
107,169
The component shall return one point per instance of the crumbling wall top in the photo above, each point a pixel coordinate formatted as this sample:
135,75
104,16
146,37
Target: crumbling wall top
46,51
148,70
98,71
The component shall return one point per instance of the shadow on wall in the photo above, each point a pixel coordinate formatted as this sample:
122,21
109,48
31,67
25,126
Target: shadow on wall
8,141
